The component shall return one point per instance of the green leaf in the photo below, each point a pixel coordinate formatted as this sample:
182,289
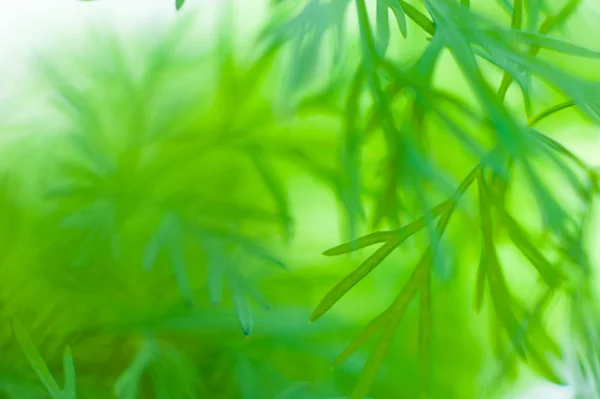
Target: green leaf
180,270
215,275
425,334
545,42
549,112
275,187
179,4
519,237
369,372
500,295
128,384
35,359
249,246
542,365
501,301
152,251
418,17
392,317
242,305
350,188
534,8
362,242
353,278
70,379
480,284
399,235
169,237
383,27
294,390
372,328
398,11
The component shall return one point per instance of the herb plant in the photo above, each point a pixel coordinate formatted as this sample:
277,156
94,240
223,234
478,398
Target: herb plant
158,253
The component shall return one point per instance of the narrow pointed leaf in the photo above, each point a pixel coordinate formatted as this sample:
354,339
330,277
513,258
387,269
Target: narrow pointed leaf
372,328
418,17
425,334
180,271
70,378
546,42
400,16
243,308
383,26
399,235
353,278
35,359
542,365
215,279
276,189
369,372
368,240
127,385
480,285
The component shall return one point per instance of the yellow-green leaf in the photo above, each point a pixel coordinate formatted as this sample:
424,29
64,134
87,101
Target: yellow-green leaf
35,360
353,278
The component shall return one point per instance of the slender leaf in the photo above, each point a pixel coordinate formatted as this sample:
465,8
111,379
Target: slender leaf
243,307
35,359
70,379
353,278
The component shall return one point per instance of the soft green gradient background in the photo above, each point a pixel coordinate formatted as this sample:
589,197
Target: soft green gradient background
103,308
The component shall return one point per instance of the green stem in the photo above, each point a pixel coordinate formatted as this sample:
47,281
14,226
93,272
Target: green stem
418,17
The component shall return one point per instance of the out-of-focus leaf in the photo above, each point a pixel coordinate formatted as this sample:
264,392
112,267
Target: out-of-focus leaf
500,295
306,29
179,4
425,334
390,321
69,391
248,385
372,328
351,156
215,275
383,26
35,360
545,42
128,384
249,246
275,187
294,391
418,17
534,8
480,284
243,307
519,237
398,11
169,237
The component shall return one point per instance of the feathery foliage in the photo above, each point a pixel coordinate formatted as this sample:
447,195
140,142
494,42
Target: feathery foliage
156,222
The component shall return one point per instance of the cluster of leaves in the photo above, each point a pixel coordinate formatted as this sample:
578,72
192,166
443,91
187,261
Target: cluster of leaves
139,195
158,215
404,104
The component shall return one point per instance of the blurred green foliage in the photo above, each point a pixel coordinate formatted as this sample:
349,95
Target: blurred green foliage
161,222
